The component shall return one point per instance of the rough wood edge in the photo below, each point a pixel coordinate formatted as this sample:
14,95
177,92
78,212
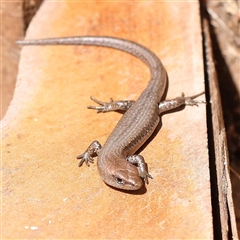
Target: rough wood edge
225,201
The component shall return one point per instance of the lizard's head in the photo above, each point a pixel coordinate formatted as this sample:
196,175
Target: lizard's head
122,174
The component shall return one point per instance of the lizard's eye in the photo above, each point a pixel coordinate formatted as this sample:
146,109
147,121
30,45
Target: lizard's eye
119,181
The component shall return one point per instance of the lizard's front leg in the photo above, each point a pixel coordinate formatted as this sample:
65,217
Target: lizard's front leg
141,165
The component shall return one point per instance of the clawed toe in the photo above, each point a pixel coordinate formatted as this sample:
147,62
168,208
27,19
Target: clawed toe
85,157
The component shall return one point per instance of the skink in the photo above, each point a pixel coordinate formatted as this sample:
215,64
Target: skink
117,164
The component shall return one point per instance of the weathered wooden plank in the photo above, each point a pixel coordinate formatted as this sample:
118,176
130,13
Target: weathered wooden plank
48,124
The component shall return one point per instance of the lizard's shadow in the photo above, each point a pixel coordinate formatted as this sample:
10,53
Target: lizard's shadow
140,191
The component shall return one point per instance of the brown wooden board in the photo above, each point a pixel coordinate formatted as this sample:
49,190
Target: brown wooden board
45,194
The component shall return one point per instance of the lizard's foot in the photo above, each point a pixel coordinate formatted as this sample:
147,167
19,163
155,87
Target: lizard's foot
190,100
88,155
85,157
